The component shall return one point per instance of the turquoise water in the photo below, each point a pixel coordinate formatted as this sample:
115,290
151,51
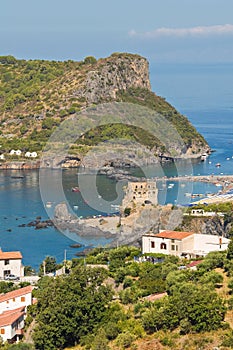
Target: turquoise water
202,93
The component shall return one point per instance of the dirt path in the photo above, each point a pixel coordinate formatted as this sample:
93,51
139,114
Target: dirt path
28,333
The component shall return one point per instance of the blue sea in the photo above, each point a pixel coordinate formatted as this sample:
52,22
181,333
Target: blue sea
201,92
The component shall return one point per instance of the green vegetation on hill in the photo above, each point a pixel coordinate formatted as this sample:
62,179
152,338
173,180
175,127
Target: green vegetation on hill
109,308
37,95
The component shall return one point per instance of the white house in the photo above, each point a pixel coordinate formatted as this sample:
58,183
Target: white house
15,299
31,154
11,324
11,263
17,152
187,244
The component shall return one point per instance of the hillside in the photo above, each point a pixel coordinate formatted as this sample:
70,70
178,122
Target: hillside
37,95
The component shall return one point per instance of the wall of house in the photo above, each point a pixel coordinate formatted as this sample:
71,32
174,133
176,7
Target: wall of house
13,265
152,244
14,303
204,244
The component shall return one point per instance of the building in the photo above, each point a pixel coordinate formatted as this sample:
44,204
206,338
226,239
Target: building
13,307
11,263
11,324
15,299
31,154
17,152
186,244
138,193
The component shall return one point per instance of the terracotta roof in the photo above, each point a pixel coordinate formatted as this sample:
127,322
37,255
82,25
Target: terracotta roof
195,263
15,293
174,234
156,296
10,255
9,317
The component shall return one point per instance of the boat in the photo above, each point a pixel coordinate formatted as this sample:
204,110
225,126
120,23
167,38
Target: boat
48,204
75,207
218,185
75,189
187,194
217,165
170,186
204,156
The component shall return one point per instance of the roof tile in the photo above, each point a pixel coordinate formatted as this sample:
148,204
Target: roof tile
174,234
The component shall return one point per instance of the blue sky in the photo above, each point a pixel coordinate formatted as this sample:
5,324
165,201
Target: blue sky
162,30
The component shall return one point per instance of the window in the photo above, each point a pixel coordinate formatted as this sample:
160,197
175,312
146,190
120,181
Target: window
22,299
152,244
7,262
163,246
2,331
173,247
173,241
13,299
176,247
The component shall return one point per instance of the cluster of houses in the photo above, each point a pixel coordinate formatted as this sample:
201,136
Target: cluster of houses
13,305
19,153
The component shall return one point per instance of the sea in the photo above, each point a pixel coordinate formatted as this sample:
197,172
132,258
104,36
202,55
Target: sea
202,92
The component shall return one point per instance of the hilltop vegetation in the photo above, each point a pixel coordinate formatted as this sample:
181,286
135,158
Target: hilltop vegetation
37,95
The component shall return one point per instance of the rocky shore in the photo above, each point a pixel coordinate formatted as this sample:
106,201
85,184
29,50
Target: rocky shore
124,230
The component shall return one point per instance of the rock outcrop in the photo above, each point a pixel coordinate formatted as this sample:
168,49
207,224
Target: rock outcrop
118,72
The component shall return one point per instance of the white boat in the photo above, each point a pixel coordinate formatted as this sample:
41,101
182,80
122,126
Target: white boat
48,204
204,156
75,207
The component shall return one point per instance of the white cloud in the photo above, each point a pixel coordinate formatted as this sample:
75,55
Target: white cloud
199,31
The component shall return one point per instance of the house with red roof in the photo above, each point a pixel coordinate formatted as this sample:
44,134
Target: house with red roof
11,264
186,244
11,324
17,298
13,307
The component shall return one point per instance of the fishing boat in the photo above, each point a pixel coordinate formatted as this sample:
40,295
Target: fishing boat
75,189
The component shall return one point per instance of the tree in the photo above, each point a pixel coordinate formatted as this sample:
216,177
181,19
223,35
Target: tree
193,307
50,265
70,307
90,60
230,250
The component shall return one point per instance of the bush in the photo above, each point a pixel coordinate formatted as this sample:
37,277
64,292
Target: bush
125,340
127,211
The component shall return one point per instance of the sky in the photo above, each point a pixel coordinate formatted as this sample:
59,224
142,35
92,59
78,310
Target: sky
170,31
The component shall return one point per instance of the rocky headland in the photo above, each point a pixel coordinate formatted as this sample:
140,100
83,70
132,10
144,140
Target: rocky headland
30,113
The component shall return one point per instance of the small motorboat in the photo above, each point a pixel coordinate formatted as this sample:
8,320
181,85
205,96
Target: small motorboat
75,189
48,204
218,165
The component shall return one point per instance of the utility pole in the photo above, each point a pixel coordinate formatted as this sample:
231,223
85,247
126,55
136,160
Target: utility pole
65,260
44,268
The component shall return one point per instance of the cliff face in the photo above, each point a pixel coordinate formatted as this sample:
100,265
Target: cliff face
215,225
118,72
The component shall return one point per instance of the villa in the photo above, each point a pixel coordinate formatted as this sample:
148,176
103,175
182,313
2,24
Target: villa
183,244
